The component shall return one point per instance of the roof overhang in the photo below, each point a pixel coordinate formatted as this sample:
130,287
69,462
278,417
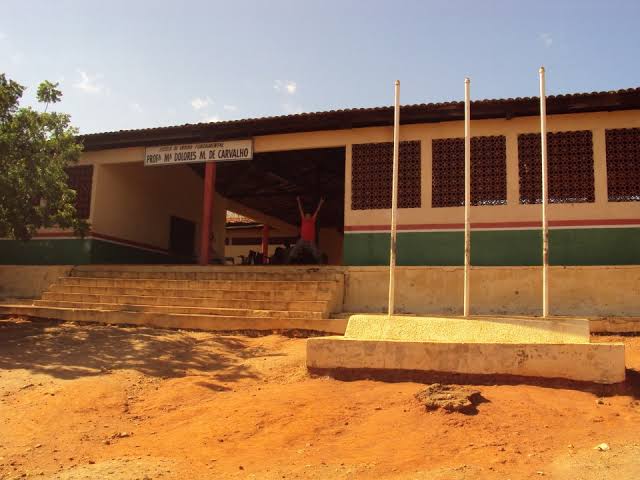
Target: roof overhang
628,99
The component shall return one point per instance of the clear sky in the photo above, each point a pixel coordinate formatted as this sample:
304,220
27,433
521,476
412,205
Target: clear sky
136,64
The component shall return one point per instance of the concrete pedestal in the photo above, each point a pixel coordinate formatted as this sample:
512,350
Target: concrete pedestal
518,346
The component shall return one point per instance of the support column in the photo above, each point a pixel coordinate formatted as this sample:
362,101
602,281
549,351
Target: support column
207,206
265,243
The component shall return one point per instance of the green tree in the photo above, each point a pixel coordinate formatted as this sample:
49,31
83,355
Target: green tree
35,149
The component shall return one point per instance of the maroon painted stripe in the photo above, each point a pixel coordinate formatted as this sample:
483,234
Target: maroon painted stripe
529,224
129,242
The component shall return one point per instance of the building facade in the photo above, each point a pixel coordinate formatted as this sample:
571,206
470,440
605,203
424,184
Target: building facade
144,214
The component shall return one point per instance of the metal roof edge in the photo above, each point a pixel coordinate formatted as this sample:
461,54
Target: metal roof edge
623,99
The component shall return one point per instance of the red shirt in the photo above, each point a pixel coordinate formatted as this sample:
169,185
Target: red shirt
308,229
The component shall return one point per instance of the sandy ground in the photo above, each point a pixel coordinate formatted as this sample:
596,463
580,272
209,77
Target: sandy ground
93,401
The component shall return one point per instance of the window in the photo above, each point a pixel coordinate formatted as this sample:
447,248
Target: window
488,171
569,163
80,180
371,172
623,164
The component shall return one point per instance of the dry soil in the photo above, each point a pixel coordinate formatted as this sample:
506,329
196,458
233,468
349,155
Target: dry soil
96,401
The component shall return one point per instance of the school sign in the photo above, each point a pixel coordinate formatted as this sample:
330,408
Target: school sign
226,151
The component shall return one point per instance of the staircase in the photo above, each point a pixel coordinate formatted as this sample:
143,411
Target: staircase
206,298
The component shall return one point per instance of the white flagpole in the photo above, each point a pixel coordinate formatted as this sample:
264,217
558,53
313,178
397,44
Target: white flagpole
545,195
467,192
394,198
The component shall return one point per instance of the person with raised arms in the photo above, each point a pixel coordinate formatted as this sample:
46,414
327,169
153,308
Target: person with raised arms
306,245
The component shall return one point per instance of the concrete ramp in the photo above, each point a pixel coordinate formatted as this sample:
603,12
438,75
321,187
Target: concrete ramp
515,346
473,330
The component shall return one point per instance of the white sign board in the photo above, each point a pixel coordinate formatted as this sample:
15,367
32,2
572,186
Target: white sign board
228,151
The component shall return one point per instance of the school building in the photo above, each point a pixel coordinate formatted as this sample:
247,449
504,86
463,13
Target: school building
146,213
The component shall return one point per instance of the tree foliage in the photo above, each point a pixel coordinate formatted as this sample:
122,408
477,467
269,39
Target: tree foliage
35,149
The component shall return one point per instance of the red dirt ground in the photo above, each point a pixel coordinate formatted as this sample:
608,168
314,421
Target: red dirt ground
97,401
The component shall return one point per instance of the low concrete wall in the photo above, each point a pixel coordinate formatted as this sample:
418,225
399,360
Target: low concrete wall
29,281
612,291
573,291
595,362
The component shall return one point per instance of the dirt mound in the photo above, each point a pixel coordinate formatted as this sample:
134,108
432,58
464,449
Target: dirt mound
450,398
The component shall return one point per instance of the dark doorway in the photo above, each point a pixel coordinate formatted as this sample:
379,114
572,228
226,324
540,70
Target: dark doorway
270,183
182,234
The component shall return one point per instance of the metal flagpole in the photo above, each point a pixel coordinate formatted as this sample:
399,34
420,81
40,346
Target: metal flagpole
545,195
394,198
467,192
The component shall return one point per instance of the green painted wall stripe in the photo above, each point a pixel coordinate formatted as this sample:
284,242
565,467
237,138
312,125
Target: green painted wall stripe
77,251
597,246
59,251
588,246
506,247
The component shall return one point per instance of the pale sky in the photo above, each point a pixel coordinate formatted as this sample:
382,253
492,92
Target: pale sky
139,64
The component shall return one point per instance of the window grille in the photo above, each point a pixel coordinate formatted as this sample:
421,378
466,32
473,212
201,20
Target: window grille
80,180
488,171
569,167
371,172
623,164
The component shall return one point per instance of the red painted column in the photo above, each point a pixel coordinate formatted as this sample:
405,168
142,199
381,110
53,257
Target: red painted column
265,243
207,205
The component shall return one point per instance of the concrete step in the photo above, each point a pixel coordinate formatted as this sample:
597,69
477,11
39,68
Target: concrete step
278,295
192,301
173,320
239,312
204,274
309,285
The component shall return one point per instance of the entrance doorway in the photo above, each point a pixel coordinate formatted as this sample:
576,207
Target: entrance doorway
182,235
269,185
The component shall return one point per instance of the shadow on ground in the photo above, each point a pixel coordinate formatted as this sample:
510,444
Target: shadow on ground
68,350
631,386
